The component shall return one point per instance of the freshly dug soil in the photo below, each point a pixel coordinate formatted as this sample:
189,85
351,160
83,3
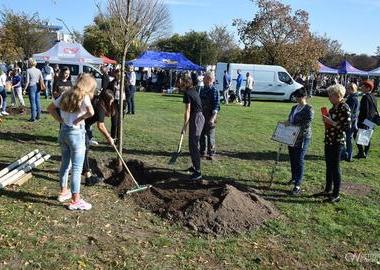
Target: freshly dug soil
17,110
211,207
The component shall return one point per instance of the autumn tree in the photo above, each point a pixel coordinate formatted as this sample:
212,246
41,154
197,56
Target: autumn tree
284,36
332,51
22,35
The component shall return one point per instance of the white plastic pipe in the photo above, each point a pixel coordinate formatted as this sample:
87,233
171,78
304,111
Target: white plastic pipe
18,162
19,168
26,169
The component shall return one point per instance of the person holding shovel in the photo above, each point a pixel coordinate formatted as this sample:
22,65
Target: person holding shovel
103,107
194,119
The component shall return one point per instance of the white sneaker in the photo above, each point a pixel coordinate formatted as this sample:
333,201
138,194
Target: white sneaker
80,205
64,197
4,113
92,142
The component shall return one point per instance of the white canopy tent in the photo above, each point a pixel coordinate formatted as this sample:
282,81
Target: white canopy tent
374,72
67,52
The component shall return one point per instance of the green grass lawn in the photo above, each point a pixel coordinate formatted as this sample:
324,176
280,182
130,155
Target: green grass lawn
37,232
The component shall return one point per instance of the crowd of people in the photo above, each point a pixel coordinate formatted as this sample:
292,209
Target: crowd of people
77,107
342,123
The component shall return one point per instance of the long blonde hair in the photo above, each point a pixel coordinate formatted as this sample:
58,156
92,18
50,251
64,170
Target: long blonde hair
72,99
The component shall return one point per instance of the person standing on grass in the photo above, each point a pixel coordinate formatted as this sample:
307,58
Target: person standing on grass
3,93
62,83
226,86
248,90
367,111
239,81
338,121
114,86
210,107
105,78
131,90
16,87
34,77
194,119
48,74
352,102
103,107
300,115
75,106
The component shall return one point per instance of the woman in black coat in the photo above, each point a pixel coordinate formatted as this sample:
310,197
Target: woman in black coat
368,109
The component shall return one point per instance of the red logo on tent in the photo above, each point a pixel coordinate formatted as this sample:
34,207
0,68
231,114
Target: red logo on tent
70,50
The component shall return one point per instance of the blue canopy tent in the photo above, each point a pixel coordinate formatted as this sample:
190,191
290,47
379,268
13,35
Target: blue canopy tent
164,60
346,68
326,70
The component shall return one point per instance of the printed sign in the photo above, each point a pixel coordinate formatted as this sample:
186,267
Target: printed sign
364,136
286,134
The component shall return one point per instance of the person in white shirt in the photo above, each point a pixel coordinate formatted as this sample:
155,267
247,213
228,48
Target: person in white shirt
3,93
248,89
48,74
75,106
131,90
33,78
200,82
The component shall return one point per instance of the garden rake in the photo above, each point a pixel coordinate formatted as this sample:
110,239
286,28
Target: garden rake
138,187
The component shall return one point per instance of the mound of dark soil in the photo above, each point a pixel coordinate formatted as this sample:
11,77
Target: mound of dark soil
208,206
211,207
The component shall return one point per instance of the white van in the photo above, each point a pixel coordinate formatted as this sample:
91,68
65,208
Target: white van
76,69
271,82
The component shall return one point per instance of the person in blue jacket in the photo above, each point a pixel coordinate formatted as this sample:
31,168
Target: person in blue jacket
239,81
210,107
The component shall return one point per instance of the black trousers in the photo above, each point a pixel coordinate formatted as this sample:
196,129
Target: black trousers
115,117
196,124
247,97
333,173
363,150
86,163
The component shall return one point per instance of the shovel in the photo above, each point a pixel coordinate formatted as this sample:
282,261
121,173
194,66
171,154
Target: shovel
138,187
175,155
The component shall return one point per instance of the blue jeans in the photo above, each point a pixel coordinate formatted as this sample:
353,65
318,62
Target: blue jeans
297,160
131,101
3,94
48,86
347,152
34,98
73,147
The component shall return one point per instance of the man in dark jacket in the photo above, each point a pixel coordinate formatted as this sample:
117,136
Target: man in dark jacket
368,109
353,102
105,78
211,106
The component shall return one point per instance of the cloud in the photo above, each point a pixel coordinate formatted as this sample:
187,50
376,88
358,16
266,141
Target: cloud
194,3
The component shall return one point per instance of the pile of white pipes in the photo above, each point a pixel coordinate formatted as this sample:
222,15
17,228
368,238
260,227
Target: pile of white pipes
20,167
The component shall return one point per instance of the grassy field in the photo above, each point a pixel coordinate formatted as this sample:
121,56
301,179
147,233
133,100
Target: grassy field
37,232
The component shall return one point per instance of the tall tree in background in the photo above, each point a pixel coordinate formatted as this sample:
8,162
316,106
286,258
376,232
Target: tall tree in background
227,48
197,46
332,51
129,22
22,35
284,37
